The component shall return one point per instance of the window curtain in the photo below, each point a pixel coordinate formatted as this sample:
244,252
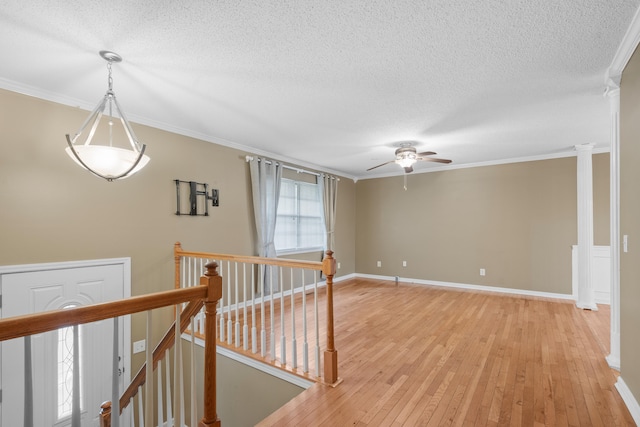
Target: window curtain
329,188
265,186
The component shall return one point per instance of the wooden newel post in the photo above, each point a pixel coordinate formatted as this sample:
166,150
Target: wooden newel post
105,414
330,354
214,282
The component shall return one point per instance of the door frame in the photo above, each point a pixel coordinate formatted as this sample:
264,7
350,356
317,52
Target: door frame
65,265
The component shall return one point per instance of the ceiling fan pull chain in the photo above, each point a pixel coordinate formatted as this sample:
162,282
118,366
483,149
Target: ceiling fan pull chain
405,181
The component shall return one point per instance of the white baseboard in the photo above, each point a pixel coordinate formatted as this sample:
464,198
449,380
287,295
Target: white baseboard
469,286
629,399
343,278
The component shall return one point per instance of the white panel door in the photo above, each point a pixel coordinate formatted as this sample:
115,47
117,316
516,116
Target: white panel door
36,291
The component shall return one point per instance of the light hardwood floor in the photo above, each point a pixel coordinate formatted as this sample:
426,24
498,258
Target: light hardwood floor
422,355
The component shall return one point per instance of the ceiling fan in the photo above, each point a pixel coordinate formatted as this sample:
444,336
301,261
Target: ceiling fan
407,155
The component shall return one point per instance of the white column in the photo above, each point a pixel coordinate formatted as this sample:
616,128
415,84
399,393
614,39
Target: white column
613,92
586,298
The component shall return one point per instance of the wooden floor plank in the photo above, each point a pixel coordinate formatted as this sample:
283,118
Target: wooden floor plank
424,355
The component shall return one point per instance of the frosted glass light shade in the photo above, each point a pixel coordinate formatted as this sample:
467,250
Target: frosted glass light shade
406,162
108,162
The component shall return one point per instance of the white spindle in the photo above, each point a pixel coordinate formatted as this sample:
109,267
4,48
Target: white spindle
237,340
28,382
132,417
272,311
183,269
167,371
229,312
283,336
160,388
305,346
177,373
315,315
195,272
148,401
115,374
254,331
140,408
182,407
245,327
294,342
222,299
263,332
193,373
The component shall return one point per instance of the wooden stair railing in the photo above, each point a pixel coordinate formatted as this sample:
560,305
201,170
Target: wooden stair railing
208,293
327,267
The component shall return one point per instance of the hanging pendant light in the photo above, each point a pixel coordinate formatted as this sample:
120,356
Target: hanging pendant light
107,160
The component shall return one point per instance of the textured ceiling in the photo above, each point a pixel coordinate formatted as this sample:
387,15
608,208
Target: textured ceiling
332,84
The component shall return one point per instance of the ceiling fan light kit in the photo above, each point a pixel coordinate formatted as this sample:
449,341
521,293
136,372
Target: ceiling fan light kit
407,156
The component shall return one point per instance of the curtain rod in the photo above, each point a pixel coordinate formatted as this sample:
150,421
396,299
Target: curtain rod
299,170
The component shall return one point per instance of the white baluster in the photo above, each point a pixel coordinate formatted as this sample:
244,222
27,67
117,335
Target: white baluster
183,268
294,342
305,346
263,332
132,418
115,373
229,321
254,331
160,389
315,315
245,328
237,340
273,332
148,401
222,334
283,337
193,373
177,373
168,388
140,408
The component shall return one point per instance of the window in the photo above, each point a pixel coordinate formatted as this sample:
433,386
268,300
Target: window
300,224
65,370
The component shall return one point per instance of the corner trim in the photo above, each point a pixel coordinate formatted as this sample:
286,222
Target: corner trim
629,399
471,287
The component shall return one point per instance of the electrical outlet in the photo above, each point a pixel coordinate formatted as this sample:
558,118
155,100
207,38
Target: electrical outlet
404,263
482,272
338,266
379,264
139,346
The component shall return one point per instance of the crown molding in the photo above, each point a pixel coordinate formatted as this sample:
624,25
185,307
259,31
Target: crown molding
625,50
558,155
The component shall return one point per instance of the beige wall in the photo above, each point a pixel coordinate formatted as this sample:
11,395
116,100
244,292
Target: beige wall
630,225
517,221
52,210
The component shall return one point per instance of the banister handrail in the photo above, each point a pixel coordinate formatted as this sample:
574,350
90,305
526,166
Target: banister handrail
30,324
280,262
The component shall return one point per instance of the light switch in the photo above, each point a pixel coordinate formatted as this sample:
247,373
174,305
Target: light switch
625,243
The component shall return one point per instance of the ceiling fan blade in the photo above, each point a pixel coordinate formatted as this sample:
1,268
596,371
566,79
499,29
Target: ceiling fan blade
433,159
426,153
408,169
390,161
